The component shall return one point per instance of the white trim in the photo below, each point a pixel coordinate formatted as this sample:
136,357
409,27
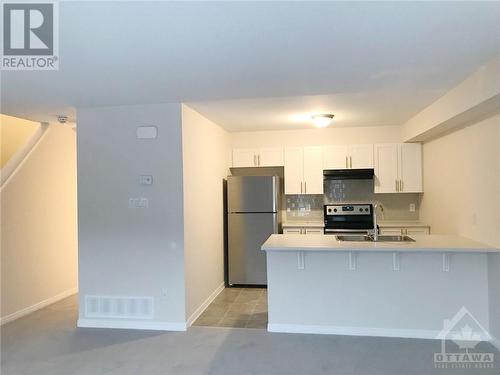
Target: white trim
495,342
37,306
128,324
205,304
353,331
17,160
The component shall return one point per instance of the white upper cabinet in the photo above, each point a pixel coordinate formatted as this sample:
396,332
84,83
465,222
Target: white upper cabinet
313,170
348,156
271,157
361,156
304,170
398,168
294,170
258,157
245,157
411,168
335,157
386,168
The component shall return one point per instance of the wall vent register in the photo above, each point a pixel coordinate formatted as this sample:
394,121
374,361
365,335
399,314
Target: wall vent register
119,307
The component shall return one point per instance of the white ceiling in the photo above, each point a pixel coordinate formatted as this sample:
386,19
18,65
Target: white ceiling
259,65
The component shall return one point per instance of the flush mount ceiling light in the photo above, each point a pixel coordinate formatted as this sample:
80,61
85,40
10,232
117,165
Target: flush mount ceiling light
322,120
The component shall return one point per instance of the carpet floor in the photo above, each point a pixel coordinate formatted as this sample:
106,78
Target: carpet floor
48,343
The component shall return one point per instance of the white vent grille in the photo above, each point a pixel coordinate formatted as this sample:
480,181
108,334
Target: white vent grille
119,307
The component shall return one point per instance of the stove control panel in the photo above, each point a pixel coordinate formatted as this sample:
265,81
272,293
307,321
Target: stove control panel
354,209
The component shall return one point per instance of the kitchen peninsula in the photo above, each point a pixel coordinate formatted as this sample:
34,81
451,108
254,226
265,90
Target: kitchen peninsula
318,284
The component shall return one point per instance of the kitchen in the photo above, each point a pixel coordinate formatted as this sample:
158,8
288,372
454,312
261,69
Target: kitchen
323,187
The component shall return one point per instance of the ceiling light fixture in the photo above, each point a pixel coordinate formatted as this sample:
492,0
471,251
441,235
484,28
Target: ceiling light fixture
323,120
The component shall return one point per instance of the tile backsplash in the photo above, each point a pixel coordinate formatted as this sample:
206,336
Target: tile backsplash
310,207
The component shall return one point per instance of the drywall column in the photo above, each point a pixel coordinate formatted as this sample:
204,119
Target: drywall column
39,242
462,193
131,252
206,163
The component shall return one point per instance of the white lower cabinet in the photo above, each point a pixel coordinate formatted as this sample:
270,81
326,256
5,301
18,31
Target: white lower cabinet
302,230
400,231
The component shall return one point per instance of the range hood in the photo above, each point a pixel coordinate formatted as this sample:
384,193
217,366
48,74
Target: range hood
348,174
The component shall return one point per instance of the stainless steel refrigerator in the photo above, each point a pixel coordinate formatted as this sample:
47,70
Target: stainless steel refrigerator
253,215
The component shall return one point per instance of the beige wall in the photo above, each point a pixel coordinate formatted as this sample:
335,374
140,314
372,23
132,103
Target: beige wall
462,182
39,243
474,96
462,193
14,132
205,148
310,137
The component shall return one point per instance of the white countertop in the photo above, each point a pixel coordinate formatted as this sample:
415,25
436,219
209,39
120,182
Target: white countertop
303,224
429,243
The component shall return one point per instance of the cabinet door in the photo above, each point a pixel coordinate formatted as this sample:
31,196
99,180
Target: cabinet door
244,157
391,231
271,157
313,170
422,230
361,156
410,168
386,167
294,168
292,231
335,157
314,231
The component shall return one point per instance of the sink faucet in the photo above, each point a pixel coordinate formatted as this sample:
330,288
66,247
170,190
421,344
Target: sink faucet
376,205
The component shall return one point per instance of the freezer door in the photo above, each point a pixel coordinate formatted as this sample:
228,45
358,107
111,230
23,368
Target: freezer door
253,193
247,233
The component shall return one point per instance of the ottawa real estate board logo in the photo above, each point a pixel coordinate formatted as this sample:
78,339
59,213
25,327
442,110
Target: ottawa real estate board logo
30,39
459,338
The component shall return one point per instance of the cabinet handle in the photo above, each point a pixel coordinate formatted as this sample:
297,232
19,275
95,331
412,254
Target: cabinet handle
396,181
305,187
350,162
258,160
300,187
346,163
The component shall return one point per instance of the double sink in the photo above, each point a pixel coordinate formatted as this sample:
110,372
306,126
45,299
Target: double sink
370,238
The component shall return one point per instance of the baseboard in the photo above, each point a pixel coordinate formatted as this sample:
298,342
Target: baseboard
128,324
495,342
353,331
204,305
37,306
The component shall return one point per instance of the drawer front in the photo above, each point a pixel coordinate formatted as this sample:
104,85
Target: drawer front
314,231
292,230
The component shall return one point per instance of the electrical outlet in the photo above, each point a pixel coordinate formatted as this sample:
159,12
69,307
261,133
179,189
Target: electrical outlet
412,207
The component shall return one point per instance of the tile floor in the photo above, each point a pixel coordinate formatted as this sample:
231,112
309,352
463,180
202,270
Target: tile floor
238,308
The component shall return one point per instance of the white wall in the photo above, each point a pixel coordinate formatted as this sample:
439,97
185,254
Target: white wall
327,297
123,251
205,149
39,236
309,137
462,192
